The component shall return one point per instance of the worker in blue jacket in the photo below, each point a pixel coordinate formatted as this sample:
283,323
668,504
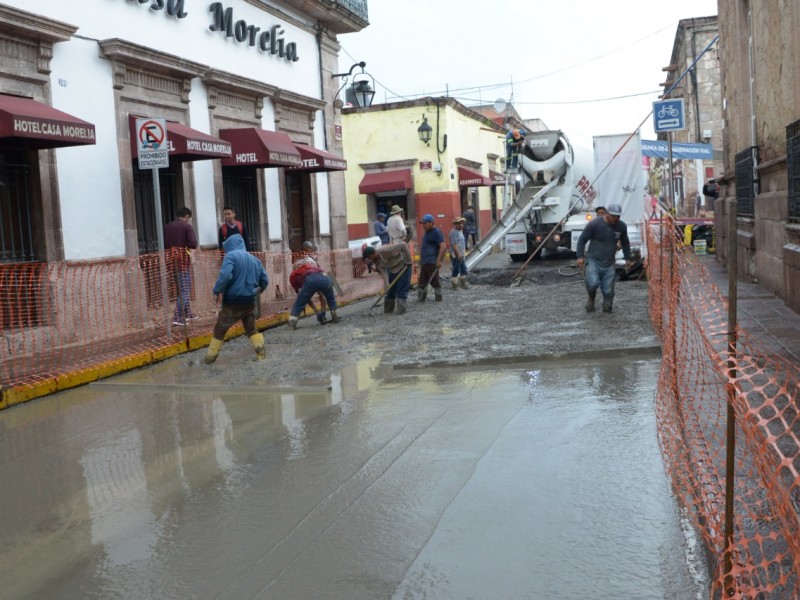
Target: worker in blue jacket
241,278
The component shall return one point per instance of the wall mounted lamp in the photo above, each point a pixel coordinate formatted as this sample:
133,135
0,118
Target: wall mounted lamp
363,88
425,131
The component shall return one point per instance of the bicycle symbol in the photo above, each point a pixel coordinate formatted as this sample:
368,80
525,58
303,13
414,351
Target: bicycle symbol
667,111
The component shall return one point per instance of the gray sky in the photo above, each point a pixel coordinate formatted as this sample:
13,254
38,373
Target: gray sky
566,59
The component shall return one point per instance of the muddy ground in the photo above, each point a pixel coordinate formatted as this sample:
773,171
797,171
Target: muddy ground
491,323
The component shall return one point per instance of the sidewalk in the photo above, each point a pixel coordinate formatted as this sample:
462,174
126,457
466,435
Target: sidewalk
762,314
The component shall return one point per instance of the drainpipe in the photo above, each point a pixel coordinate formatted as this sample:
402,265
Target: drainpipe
694,85
322,85
698,164
752,74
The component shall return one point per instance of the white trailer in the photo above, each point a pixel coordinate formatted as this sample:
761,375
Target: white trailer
621,180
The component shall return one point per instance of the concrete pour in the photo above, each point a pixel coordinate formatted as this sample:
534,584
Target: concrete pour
543,318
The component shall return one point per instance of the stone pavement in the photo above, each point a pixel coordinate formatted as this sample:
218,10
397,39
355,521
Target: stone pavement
770,323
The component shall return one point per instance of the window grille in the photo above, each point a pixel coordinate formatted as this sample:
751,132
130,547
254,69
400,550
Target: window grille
240,185
16,212
793,168
746,181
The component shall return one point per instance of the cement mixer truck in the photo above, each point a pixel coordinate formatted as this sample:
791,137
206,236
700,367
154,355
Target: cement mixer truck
548,208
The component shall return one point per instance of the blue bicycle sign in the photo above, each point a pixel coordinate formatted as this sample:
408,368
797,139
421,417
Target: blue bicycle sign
667,111
668,115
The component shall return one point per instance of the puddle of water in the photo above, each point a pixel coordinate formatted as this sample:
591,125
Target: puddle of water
506,482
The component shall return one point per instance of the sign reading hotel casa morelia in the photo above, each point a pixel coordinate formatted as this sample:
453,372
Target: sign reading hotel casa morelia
269,41
50,129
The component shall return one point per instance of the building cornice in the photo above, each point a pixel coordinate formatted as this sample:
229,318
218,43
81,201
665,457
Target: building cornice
34,27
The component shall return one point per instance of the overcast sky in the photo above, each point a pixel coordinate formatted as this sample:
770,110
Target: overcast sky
569,61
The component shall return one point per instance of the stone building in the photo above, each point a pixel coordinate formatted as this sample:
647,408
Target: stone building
246,88
760,59
700,90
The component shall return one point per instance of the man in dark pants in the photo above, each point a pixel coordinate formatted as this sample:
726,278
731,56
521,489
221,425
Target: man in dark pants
241,278
308,279
394,263
179,239
470,227
603,233
431,255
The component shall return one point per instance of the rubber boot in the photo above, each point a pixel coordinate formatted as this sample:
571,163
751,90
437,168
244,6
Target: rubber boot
608,304
464,282
454,282
422,294
257,340
590,301
213,350
438,294
335,316
292,323
388,305
401,306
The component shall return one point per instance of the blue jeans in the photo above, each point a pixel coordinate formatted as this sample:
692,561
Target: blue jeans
459,269
316,282
600,277
182,308
399,289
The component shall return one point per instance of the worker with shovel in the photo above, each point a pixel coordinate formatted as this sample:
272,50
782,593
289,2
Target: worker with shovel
394,263
431,255
308,278
308,257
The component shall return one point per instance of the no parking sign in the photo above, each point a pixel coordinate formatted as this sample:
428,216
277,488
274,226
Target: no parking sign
151,141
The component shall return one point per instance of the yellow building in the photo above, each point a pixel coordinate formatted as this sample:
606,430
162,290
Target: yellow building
388,163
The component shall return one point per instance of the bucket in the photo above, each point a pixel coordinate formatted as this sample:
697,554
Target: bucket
699,246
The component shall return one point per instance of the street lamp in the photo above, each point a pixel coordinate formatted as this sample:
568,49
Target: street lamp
363,88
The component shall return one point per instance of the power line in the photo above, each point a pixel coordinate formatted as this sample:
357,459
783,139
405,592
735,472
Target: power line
488,87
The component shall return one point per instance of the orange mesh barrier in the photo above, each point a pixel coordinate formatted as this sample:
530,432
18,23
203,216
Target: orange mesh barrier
698,376
58,319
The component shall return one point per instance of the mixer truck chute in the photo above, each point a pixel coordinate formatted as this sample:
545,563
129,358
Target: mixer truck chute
547,208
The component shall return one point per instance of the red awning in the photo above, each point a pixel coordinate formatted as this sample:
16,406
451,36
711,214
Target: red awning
497,178
186,143
388,181
469,178
40,125
315,160
260,148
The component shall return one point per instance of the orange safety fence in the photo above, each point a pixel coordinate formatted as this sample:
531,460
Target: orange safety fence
60,319
698,375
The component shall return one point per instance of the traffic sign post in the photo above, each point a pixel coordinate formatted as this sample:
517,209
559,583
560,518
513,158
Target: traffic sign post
151,142
668,116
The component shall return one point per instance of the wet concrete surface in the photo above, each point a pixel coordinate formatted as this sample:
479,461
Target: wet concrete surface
524,466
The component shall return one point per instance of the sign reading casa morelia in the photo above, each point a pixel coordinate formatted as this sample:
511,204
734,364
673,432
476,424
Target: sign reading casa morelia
270,41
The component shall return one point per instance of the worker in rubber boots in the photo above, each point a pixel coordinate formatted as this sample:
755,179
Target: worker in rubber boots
604,233
458,254
431,255
308,278
393,262
241,278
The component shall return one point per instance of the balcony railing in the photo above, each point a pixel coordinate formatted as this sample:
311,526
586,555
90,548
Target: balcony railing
357,7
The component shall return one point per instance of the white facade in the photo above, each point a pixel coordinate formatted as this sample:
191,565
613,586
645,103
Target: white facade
132,58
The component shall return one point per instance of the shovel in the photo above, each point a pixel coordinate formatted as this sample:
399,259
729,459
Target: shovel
386,291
